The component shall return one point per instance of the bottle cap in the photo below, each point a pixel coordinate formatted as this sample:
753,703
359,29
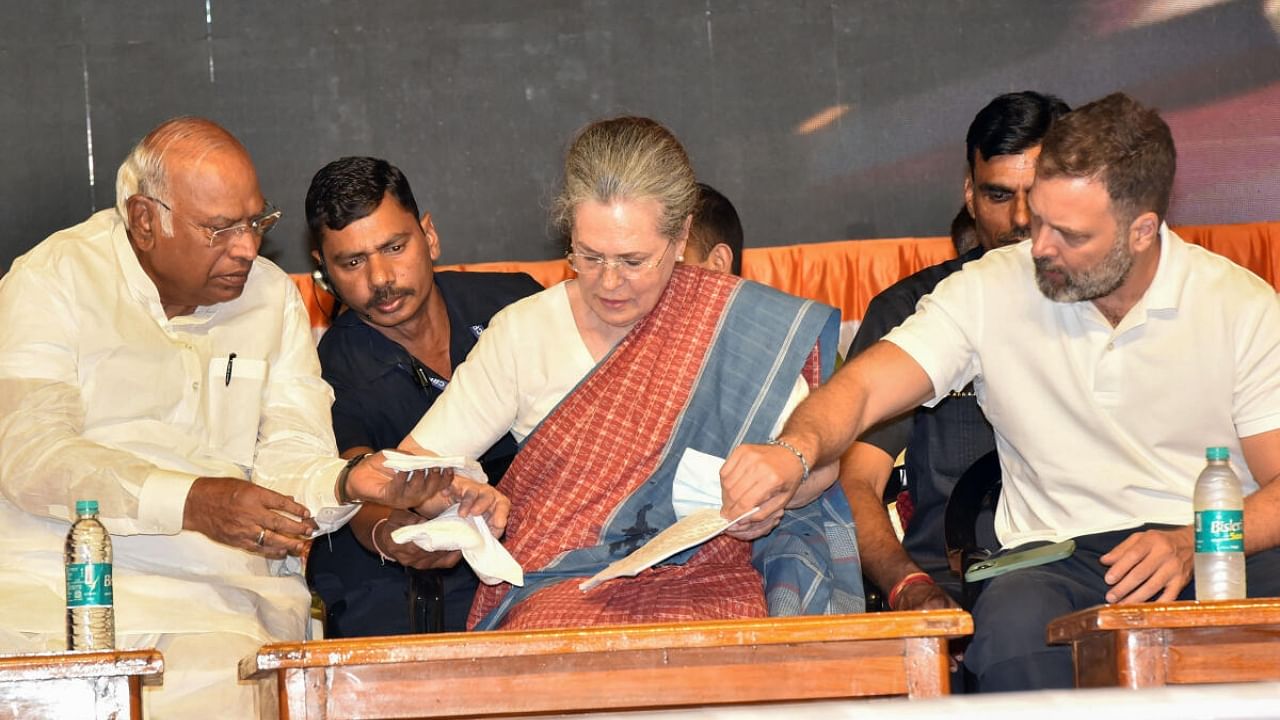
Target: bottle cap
1216,453
86,507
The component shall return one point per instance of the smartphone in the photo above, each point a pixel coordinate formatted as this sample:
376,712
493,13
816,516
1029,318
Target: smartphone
1030,557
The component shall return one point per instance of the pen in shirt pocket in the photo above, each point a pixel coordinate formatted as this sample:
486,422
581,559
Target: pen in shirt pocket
230,359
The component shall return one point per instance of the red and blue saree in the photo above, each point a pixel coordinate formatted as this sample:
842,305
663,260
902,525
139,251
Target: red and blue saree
711,367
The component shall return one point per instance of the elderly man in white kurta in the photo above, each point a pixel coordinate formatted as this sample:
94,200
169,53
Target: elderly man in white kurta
151,361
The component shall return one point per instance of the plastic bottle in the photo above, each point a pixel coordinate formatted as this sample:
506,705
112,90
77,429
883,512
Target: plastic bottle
91,623
1219,526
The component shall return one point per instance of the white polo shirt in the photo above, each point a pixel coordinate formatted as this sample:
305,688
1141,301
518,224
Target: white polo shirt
1102,428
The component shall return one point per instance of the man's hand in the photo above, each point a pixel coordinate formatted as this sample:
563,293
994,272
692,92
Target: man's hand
1150,562
473,498
923,596
409,554
372,481
763,476
237,513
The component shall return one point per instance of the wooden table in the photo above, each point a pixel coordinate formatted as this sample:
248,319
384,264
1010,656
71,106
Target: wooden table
1156,644
636,666
86,684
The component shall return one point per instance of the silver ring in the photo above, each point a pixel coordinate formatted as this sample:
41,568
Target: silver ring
261,536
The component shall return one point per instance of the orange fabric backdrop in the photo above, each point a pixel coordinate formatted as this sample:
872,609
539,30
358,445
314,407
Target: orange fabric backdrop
848,273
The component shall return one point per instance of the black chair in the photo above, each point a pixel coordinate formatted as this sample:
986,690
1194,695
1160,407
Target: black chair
426,601
973,498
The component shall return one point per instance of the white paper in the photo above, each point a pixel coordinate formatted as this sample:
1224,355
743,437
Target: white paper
405,462
695,529
697,483
482,551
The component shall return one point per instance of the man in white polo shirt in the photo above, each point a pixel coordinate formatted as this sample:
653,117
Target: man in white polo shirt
1107,354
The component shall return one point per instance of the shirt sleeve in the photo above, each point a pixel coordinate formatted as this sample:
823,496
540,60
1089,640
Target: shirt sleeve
296,452
481,401
46,463
940,335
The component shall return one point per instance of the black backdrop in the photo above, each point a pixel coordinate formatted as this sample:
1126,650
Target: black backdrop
821,120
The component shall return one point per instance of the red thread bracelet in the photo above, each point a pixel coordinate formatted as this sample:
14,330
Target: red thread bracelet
914,578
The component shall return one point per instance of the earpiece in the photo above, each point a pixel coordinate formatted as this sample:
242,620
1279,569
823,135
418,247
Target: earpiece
321,278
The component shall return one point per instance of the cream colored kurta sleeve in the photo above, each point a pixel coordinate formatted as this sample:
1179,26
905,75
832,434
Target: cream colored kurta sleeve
45,460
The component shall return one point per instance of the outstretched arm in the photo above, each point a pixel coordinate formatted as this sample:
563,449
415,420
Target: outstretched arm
879,383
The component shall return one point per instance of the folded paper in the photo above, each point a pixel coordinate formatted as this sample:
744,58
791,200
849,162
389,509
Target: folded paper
694,529
405,462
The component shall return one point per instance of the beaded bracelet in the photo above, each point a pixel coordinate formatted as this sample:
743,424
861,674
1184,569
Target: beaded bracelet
914,578
799,455
373,536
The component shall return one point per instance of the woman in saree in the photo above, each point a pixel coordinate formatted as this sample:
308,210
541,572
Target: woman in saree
607,379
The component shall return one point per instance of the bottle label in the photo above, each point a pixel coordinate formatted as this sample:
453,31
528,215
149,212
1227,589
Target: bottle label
89,585
1219,531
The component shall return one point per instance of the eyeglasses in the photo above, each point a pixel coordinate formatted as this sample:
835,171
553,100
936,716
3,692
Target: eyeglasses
258,225
629,268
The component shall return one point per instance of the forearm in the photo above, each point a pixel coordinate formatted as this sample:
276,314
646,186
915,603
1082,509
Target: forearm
1262,519
882,382
864,472
820,478
827,421
365,521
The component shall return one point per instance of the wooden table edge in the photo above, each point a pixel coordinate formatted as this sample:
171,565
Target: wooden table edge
946,624
81,664
1172,615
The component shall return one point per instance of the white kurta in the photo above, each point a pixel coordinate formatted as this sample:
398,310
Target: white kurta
1103,428
102,397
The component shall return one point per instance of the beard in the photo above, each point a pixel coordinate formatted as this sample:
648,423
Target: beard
1095,282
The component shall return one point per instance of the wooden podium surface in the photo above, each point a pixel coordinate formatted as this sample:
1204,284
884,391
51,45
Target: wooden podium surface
87,684
1153,644
636,666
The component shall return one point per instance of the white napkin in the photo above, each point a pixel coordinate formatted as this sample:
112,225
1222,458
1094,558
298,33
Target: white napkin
405,462
482,551
697,483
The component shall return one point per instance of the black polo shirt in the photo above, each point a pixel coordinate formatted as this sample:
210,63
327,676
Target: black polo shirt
381,391
942,441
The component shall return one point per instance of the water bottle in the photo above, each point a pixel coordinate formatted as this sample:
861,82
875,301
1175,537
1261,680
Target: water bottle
1219,508
91,622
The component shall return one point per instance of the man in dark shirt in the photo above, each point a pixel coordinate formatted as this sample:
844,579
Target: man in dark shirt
1002,143
388,356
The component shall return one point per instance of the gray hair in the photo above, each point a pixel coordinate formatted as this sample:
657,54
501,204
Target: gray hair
627,158
143,171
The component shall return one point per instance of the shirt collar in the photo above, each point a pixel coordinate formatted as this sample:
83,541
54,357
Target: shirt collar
1166,287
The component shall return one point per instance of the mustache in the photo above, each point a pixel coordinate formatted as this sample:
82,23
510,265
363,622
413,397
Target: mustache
385,294
1015,235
